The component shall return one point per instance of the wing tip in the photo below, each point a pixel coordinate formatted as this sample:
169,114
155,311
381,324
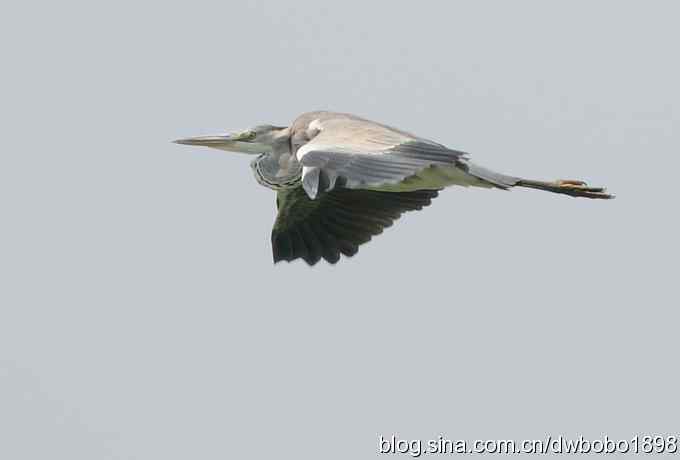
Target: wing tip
348,219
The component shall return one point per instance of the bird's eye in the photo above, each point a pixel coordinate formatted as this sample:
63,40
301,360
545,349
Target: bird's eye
250,136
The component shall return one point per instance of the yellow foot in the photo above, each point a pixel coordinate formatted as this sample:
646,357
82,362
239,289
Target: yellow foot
580,188
570,182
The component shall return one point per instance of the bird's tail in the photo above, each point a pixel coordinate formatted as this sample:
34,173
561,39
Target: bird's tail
576,188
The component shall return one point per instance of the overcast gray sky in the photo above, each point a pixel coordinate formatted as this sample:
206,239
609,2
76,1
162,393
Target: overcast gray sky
141,316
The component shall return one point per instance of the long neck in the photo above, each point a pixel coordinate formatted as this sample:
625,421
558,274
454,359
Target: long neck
277,172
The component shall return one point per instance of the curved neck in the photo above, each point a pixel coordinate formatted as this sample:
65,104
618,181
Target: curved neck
277,171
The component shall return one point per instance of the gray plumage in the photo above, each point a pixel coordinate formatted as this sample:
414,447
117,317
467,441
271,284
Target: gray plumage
341,179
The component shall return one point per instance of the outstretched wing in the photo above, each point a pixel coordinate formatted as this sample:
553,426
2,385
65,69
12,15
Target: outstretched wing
340,150
337,222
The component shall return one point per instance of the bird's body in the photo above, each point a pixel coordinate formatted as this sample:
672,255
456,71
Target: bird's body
341,179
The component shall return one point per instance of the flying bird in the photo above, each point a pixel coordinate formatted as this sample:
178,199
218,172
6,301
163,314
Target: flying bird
341,179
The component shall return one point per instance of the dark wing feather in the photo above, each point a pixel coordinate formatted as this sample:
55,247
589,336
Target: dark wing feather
337,222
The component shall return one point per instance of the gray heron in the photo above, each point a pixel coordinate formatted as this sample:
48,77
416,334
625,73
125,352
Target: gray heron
340,179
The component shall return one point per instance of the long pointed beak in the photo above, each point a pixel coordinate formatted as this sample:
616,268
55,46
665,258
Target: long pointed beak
207,141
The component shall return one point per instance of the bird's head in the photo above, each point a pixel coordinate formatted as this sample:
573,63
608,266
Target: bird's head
256,140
